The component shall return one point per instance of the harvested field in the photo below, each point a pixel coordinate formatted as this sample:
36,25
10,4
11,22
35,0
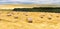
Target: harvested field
29,20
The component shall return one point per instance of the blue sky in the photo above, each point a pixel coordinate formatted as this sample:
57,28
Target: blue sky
29,1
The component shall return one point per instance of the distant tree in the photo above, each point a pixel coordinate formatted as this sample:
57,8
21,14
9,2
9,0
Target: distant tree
39,9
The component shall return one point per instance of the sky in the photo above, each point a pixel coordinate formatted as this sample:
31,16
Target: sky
29,1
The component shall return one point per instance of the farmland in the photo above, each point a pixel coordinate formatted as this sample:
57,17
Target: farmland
29,16
19,20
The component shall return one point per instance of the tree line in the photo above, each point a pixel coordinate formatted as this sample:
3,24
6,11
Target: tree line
39,9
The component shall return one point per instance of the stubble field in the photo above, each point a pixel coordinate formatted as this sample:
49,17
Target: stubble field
20,20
